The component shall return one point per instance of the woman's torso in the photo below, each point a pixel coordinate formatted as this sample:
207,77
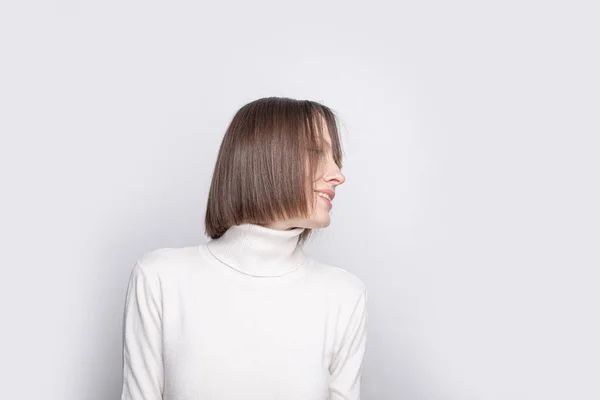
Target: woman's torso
229,336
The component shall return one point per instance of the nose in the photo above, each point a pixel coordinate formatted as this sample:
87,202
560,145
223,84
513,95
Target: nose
334,175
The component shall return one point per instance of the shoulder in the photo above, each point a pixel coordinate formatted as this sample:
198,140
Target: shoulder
345,294
166,261
339,282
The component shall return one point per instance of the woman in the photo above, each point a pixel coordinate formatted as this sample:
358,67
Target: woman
249,315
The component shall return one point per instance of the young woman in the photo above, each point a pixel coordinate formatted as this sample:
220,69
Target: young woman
249,315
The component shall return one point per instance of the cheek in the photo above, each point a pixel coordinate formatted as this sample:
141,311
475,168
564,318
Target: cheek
318,173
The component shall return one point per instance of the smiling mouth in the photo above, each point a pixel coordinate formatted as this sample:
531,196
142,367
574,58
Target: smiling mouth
325,199
324,195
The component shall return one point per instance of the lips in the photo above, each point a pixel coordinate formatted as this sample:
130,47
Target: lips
328,192
326,200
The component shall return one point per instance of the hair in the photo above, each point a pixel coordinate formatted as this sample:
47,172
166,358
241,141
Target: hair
266,163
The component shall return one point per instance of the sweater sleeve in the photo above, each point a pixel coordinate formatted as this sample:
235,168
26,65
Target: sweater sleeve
346,365
142,347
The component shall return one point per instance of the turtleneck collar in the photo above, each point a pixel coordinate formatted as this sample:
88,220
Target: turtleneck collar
259,251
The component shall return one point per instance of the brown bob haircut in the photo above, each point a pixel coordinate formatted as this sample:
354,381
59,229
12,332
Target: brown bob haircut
266,163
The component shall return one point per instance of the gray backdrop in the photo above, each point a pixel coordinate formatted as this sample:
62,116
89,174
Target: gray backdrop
470,208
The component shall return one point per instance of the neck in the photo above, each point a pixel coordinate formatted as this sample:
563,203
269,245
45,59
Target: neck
259,250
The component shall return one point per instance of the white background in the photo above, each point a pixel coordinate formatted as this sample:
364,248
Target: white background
470,210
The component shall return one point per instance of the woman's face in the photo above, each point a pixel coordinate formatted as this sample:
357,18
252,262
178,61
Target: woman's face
325,181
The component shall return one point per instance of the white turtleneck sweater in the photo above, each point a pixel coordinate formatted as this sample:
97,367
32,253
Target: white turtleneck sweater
247,316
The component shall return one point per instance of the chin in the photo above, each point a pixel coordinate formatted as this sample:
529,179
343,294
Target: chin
323,222
319,219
